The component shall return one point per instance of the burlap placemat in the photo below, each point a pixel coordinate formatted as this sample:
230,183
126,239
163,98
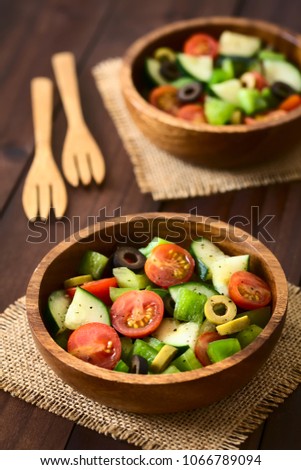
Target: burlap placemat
224,425
166,177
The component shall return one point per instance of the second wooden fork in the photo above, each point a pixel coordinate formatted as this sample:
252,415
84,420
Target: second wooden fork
82,159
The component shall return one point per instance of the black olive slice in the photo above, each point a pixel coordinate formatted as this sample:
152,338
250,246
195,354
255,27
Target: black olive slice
169,70
128,257
169,305
190,92
282,90
139,365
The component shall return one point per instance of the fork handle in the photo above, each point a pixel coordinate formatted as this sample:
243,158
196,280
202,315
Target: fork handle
64,67
42,98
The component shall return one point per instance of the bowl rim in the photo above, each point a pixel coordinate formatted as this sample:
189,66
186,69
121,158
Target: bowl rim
131,93
43,337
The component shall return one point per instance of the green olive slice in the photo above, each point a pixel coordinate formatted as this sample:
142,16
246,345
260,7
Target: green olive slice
219,309
163,358
233,326
165,54
77,280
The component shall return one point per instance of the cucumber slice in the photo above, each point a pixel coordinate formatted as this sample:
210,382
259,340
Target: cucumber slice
116,292
152,67
223,268
198,67
127,278
228,90
236,44
177,334
198,287
281,71
146,251
86,308
267,54
218,112
57,306
205,254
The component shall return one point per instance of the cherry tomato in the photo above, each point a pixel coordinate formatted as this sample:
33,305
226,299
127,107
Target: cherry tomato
96,343
100,289
290,103
201,44
168,265
165,98
249,291
193,113
137,313
202,345
260,81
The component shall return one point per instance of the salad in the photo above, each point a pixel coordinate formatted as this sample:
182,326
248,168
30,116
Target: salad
159,309
235,79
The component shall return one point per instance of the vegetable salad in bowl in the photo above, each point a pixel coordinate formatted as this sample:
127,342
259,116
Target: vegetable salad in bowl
233,79
160,309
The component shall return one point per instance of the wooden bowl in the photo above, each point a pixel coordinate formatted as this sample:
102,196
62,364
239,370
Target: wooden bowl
155,393
212,146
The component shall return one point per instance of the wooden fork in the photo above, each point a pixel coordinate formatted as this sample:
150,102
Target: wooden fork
82,159
44,186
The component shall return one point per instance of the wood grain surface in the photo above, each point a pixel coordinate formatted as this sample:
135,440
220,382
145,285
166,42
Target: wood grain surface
31,32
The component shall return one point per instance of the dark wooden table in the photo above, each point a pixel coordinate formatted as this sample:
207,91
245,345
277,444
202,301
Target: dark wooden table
31,31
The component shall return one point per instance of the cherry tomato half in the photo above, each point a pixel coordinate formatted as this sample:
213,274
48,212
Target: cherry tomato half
201,44
290,103
165,98
137,313
99,288
193,113
249,291
168,265
96,343
201,346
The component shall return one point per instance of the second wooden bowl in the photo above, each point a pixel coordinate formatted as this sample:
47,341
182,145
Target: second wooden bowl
229,146
166,392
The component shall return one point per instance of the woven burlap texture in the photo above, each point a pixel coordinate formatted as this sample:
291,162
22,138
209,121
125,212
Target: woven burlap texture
224,425
165,177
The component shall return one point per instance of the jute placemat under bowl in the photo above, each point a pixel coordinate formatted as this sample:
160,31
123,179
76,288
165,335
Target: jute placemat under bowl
224,425
166,177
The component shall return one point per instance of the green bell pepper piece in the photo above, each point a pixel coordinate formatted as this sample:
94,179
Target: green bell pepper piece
171,370
222,348
121,366
259,316
126,349
189,306
187,361
251,100
93,263
141,348
246,336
